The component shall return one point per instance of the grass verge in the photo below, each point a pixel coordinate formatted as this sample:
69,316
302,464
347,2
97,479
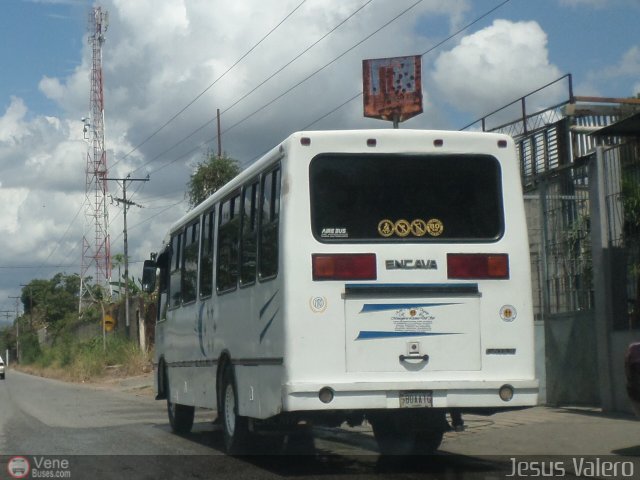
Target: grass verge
89,361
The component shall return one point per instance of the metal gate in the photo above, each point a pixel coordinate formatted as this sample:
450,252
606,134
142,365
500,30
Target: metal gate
563,198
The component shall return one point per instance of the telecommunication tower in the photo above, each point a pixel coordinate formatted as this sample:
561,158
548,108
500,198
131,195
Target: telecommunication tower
95,240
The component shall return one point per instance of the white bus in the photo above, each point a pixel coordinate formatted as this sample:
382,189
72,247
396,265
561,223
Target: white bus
350,276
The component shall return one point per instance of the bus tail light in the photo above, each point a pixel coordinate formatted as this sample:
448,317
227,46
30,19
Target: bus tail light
487,266
341,266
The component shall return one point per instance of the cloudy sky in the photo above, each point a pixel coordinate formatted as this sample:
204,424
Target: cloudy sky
161,55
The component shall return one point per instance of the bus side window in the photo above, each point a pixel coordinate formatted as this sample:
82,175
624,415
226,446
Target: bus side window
190,262
228,236
175,278
248,242
270,215
163,264
206,255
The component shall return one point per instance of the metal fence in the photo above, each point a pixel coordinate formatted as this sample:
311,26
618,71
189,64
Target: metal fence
559,237
622,200
582,203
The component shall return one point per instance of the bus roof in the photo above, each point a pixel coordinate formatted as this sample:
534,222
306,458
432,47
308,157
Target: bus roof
352,137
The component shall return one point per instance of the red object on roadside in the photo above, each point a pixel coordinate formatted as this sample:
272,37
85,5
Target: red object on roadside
632,374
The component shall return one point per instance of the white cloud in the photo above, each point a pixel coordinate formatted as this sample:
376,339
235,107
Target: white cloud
12,123
626,68
629,65
494,66
157,57
9,198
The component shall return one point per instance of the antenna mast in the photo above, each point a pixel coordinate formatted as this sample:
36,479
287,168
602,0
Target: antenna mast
95,241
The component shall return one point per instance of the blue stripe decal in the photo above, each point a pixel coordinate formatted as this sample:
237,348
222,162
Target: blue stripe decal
381,307
372,335
201,329
266,305
264,330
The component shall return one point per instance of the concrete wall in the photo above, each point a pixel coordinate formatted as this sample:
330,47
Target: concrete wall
571,360
541,368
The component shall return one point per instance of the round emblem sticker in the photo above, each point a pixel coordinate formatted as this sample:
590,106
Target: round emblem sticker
402,228
508,313
435,227
385,228
318,304
419,227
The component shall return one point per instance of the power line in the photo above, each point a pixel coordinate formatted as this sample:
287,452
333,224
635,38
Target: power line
34,267
148,219
313,74
209,122
268,104
197,97
352,98
429,50
75,217
253,159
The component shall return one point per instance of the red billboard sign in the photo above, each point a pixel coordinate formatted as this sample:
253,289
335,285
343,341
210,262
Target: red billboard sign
392,87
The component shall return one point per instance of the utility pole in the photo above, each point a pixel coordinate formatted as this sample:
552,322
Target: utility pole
122,182
7,314
17,299
219,134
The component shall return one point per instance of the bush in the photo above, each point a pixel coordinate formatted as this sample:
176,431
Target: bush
84,360
29,347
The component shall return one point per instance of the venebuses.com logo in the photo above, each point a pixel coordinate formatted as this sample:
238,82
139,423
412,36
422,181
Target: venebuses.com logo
38,467
18,467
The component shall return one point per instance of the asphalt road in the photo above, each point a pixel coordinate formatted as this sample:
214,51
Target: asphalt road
105,433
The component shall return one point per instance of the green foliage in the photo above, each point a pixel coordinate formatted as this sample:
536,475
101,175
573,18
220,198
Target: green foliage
631,203
29,347
117,265
82,360
53,304
7,340
49,301
210,175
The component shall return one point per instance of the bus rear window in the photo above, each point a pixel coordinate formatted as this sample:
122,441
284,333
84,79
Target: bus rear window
412,198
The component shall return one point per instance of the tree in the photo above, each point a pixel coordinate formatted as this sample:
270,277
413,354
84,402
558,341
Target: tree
49,301
210,175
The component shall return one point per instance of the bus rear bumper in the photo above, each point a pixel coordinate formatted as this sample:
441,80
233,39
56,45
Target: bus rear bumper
370,395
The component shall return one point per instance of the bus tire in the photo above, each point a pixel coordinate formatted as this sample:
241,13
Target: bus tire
180,416
235,427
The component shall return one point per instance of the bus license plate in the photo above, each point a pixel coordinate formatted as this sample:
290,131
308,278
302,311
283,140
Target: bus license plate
416,399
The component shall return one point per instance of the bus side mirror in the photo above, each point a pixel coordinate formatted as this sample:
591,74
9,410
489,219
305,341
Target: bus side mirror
149,276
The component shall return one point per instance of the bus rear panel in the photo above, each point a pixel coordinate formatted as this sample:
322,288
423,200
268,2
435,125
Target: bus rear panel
407,277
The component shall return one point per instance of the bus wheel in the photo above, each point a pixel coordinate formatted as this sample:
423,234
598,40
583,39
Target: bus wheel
180,416
235,427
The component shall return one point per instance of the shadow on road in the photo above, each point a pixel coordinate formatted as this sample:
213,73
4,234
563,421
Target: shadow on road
628,452
314,454
596,413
